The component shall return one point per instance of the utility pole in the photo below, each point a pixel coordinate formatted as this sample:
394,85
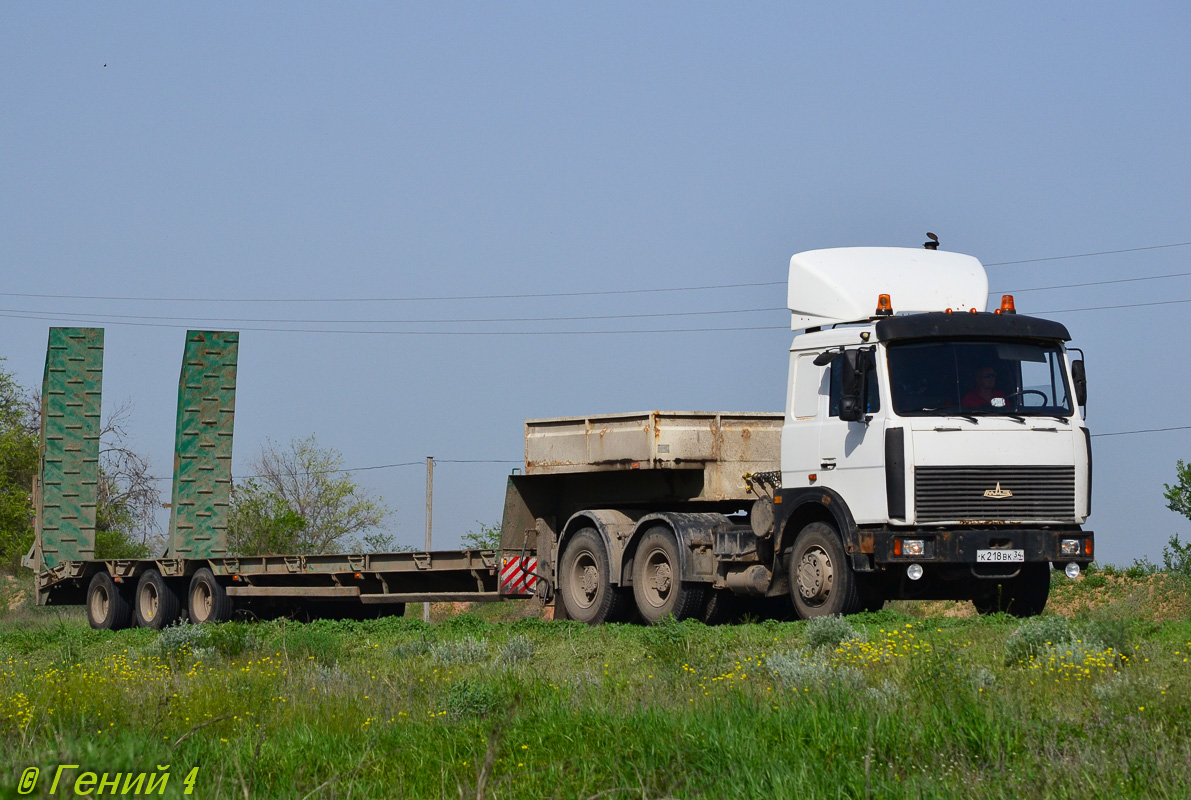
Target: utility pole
429,520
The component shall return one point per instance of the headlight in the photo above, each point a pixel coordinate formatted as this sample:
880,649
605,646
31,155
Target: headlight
913,547
1069,547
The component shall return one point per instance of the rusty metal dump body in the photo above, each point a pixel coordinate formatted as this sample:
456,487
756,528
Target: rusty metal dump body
678,461
723,445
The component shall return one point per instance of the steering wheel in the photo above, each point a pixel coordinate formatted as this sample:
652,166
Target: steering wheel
1022,393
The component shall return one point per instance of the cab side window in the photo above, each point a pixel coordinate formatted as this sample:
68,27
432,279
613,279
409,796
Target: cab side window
872,396
806,388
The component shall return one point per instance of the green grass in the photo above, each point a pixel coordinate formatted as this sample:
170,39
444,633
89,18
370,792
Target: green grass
907,703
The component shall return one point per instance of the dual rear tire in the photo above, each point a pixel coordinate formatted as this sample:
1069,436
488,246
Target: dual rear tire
109,604
156,603
587,593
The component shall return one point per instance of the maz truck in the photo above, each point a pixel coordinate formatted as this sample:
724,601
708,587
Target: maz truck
928,449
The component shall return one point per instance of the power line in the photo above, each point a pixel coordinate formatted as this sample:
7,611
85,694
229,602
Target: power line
384,466
1109,308
1088,255
1145,430
1091,283
97,321
525,295
424,298
568,318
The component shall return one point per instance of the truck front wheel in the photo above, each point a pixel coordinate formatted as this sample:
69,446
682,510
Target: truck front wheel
658,586
585,586
822,582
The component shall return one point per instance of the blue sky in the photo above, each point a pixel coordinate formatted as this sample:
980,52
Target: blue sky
343,154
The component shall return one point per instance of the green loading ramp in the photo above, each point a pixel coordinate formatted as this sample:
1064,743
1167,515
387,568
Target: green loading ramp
203,445
67,483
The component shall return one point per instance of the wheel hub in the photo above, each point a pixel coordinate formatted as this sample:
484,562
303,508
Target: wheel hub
662,578
591,581
99,604
815,576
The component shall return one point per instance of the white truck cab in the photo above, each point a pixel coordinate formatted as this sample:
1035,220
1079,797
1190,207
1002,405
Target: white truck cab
942,444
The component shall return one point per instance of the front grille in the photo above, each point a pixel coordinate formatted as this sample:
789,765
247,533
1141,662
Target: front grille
958,493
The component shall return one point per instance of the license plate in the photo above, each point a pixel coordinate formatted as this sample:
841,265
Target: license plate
1000,556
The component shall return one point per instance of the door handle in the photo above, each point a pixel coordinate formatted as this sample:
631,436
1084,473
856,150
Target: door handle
827,465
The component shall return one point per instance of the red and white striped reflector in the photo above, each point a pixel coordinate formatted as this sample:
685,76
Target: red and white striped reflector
517,575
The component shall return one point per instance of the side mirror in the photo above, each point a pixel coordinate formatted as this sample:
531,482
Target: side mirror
851,367
1081,381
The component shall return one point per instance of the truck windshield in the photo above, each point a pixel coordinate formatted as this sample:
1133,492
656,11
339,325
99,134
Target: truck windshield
1006,378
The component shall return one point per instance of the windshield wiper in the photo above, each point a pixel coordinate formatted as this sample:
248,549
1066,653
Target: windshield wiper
949,413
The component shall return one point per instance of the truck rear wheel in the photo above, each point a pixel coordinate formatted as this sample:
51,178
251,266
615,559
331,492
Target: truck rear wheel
721,607
157,605
585,585
822,582
208,598
108,608
658,586
1022,596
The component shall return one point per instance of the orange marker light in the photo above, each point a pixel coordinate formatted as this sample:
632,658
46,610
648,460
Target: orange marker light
884,306
812,477
1007,304
897,547
972,311
1087,547
947,311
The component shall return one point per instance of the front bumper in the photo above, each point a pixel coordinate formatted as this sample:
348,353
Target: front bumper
959,546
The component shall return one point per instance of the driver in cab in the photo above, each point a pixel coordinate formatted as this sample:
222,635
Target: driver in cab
985,393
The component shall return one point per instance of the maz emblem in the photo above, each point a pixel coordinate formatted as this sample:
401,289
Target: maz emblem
998,492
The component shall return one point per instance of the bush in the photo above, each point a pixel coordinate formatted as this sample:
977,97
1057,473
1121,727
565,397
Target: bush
1115,632
1034,635
516,650
312,641
829,632
1176,556
464,623
231,639
180,639
798,669
472,698
467,650
411,649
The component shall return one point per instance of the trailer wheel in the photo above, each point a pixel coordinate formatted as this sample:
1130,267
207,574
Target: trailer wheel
157,605
108,608
208,598
1021,596
585,587
822,582
658,586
